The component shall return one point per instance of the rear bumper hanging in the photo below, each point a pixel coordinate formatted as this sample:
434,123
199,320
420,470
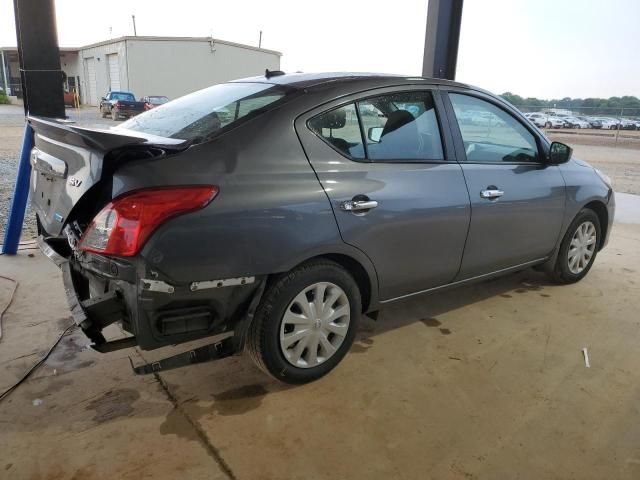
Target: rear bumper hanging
207,353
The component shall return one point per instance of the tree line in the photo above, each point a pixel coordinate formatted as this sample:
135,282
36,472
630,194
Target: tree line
627,105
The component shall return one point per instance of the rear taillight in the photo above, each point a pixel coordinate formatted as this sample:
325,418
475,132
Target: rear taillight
118,104
122,227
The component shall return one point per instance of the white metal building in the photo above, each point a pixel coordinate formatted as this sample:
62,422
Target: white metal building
171,66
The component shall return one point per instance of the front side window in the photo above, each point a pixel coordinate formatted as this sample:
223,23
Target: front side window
490,134
340,128
202,114
401,126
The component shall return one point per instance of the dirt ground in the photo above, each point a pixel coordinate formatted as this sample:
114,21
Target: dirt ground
483,382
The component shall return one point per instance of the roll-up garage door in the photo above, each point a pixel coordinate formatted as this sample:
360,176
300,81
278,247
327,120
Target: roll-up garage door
91,76
114,72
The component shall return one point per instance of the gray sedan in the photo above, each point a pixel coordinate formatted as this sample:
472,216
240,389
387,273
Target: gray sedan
272,212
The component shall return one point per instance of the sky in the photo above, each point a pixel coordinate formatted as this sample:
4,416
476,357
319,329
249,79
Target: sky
534,48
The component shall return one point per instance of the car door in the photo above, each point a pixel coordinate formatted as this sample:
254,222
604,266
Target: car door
388,168
517,199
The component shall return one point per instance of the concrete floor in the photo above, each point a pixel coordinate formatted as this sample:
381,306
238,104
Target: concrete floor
483,382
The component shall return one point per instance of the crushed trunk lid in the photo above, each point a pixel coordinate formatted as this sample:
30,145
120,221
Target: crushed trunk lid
68,160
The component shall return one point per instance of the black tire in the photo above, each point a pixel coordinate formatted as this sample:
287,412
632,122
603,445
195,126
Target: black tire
103,113
263,342
114,114
561,272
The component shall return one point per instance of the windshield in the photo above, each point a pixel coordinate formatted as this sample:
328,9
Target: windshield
200,115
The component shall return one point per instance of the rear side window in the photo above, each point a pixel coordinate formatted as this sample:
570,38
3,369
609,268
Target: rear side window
490,134
401,126
340,128
202,114
396,127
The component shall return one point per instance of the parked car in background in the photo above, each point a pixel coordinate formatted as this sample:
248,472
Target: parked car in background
554,122
282,224
120,105
608,123
594,122
152,101
542,120
538,119
575,122
627,124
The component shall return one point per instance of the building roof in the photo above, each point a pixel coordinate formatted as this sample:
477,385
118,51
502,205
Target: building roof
160,39
62,49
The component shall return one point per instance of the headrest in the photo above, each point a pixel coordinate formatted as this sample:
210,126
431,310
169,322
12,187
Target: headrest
397,119
334,119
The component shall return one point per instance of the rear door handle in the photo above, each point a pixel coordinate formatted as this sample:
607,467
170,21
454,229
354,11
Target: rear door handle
358,205
491,193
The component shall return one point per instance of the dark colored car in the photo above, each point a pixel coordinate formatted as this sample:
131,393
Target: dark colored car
152,101
120,105
594,122
277,210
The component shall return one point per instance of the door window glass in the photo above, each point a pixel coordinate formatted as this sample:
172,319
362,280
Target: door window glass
490,134
401,126
340,129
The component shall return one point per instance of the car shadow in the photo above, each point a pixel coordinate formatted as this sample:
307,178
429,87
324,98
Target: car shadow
427,307
239,386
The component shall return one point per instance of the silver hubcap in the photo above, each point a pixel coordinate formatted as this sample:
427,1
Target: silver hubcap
582,247
315,324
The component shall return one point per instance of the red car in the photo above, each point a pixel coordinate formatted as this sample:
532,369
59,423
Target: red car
153,101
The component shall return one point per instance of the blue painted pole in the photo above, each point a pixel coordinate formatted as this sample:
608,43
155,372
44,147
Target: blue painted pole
20,196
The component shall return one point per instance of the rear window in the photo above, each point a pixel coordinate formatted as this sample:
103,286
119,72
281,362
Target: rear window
202,114
124,96
158,100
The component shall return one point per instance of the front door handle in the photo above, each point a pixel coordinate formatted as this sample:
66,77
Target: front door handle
358,205
491,193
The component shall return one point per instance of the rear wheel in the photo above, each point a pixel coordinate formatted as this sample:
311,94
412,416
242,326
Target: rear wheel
578,249
306,322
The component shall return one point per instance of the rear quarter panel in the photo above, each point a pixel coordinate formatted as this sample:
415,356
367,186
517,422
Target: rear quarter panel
270,214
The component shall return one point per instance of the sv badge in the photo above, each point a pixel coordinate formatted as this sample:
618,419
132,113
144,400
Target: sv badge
74,182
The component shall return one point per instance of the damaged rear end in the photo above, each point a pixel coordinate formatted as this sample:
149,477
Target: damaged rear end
96,238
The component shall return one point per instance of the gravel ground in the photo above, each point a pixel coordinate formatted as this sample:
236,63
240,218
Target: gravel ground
620,160
11,131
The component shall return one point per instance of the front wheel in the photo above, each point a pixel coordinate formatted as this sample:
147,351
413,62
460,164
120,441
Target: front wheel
578,249
306,322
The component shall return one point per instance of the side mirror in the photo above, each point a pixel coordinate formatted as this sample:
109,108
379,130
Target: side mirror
559,153
375,133
103,99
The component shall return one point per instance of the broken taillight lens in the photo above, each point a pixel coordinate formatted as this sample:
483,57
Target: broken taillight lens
124,225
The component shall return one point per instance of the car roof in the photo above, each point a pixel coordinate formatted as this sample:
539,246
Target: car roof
309,80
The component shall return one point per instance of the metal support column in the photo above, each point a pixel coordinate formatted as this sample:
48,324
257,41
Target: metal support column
441,39
42,89
5,81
